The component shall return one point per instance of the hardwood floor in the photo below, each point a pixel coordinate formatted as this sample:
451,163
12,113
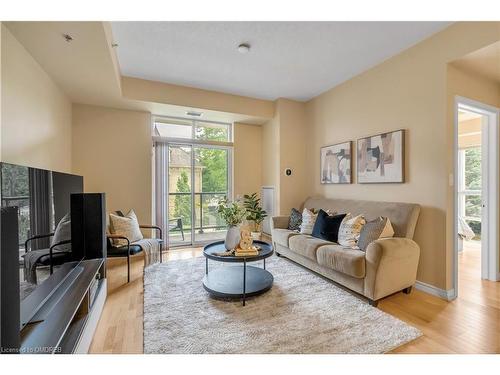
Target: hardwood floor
470,324
120,327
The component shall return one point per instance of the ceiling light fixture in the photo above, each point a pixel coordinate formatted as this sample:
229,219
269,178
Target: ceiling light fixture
68,38
193,113
244,48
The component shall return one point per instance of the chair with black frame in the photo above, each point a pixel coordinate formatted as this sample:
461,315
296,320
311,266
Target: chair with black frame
176,224
41,253
50,257
130,249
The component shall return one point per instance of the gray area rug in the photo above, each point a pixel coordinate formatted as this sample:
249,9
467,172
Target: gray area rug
302,313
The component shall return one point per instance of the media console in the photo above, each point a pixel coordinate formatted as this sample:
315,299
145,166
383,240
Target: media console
61,314
68,315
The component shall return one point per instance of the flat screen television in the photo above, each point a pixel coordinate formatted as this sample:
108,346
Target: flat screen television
42,201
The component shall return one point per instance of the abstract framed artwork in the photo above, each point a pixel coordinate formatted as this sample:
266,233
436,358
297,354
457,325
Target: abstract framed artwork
381,158
336,163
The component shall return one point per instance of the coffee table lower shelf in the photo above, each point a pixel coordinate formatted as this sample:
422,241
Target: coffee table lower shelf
237,282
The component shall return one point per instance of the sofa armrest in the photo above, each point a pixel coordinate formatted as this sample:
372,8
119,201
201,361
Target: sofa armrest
391,266
279,222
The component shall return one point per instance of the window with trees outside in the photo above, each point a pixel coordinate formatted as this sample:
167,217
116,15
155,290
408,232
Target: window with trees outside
192,173
469,191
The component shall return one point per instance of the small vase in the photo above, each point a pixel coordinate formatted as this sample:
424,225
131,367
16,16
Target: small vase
232,237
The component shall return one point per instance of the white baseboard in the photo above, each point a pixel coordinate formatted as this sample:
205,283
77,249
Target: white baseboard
431,289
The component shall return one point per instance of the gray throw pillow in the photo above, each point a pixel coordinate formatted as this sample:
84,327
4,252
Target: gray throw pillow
62,233
371,232
295,220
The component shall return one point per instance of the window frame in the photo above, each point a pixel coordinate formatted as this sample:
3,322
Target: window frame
160,188
159,138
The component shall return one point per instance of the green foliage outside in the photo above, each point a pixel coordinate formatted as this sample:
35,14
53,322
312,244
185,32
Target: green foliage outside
182,203
213,180
212,133
473,168
15,183
473,182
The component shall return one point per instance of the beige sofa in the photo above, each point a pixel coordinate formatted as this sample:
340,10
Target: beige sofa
388,265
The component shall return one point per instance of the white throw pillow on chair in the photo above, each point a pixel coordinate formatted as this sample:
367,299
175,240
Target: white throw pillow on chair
126,226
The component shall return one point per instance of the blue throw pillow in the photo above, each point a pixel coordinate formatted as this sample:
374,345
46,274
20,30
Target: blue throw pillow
327,227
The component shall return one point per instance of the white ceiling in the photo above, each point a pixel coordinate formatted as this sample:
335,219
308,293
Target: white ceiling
295,60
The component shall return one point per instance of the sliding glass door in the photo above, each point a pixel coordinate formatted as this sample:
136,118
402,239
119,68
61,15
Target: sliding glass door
198,177
211,185
180,194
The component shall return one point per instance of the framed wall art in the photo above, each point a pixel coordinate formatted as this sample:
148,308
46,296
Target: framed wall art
336,164
380,158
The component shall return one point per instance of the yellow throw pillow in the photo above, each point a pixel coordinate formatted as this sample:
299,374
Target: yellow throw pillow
126,226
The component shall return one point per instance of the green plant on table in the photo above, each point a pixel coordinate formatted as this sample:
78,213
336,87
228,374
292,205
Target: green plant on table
233,213
255,213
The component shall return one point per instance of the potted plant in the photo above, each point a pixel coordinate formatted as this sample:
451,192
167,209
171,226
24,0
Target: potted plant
233,213
255,214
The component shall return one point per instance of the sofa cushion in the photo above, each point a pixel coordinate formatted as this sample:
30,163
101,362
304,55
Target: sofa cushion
281,236
403,216
306,245
341,259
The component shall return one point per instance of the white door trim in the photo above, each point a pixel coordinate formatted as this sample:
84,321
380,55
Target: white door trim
490,163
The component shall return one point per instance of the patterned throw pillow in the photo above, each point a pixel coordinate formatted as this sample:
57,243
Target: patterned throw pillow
381,227
308,220
126,226
350,230
295,220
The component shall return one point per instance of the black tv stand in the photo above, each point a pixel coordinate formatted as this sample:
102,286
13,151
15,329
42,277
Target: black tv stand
67,318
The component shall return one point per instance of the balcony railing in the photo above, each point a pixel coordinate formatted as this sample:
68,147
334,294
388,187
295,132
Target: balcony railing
200,205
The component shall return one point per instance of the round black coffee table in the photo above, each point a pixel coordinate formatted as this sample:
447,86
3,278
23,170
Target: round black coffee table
237,282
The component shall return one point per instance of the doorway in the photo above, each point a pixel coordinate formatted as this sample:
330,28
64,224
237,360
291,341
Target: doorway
476,192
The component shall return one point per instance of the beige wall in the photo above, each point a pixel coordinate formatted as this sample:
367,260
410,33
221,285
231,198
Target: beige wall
271,156
284,146
247,159
36,114
158,92
472,86
407,91
112,149
293,132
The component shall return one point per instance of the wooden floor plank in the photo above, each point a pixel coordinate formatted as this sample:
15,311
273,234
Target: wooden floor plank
470,324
